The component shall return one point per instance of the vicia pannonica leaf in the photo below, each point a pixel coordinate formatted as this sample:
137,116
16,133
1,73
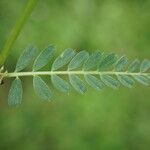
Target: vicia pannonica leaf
94,82
60,84
63,59
145,66
77,83
41,88
15,93
141,79
98,70
26,58
121,63
43,58
148,76
93,61
110,81
78,60
126,80
107,61
134,66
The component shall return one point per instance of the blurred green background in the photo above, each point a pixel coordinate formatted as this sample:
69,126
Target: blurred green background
107,120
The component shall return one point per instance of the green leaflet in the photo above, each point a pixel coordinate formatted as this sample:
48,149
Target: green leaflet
141,79
126,80
78,60
121,63
109,81
60,84
134,66
108,61
94,82
77,83
15,93
93,61
145,66
43,58
26,57
63,59
41,88
148,76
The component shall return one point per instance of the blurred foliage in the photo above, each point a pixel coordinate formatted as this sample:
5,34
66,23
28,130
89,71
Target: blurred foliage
97,120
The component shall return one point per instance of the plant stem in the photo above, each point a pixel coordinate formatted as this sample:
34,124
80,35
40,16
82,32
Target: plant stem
45,73
16,30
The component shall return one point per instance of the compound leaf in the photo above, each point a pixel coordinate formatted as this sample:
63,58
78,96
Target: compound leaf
107,66
41,88
15,93
26,57
77,83
43,58
60,84
63,59
94,82
78,60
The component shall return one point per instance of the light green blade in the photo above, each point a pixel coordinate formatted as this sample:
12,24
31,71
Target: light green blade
108,61
26,57
78,60
15,93
43,58
63,59
145,66
60,84
121,63
110,81
126,80
94,82
41,88
93,61
134,66
77,83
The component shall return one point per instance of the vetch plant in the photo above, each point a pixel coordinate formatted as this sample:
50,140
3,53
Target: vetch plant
99,70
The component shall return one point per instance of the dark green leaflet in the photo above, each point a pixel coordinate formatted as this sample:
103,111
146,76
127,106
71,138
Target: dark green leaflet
77,83
41,88
15,93
78,60
94,82
60,84
63,59
43,58
26,57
